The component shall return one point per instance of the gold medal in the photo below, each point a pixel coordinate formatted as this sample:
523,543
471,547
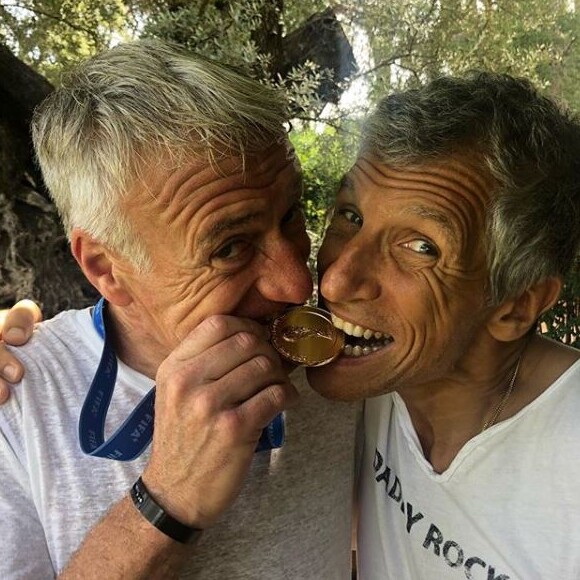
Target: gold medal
306,336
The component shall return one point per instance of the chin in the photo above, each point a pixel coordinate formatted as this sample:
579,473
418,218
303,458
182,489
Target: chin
326,383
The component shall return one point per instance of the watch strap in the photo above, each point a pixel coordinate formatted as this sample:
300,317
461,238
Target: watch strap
159,518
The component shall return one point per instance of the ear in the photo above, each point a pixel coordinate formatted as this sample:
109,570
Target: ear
514,318
100,267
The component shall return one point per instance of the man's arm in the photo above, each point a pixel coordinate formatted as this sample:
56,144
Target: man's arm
123,545
215,393
16,326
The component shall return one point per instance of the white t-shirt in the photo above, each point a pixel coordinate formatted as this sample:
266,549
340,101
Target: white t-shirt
291,521
508,506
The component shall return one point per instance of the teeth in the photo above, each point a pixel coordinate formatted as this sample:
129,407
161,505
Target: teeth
357,351
358,331
355,329
338,323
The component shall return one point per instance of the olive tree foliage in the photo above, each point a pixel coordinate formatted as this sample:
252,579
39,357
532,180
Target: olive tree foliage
51,35
412,41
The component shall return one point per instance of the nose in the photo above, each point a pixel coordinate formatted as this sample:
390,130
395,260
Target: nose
286,277
351,275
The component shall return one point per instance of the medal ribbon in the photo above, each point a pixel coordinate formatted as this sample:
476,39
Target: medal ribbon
136,432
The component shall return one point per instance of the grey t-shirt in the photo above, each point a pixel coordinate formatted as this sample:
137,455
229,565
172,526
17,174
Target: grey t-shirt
291,521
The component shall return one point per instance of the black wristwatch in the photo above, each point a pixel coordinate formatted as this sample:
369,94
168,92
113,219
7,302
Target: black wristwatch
157,516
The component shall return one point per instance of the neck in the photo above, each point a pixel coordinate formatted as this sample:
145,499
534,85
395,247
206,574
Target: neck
452,410
134,343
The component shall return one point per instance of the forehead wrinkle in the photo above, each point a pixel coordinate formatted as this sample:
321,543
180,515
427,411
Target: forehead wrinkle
453,174
460,180
179,188
163,185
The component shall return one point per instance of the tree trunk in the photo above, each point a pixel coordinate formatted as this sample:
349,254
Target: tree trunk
35,261
321,40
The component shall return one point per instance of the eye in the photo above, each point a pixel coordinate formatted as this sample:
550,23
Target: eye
232,250
296,212
351,216
422,247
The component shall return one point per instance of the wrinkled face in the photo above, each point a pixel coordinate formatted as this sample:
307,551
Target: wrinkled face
222,239
402,268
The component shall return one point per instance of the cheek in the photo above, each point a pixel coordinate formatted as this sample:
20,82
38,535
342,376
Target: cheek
192,301
176,292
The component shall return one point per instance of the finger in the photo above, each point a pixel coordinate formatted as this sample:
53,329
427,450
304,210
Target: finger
212,331
11,369
260,409
245,381
232,352
209,397
19,322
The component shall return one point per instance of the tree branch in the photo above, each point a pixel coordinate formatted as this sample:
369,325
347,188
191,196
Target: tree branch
72,25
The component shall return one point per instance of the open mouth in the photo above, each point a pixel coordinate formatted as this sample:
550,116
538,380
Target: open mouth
360,341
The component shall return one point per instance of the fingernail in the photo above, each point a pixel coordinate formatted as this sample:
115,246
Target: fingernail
15,336
10,373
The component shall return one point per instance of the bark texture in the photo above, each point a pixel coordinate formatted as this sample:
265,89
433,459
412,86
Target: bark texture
34,258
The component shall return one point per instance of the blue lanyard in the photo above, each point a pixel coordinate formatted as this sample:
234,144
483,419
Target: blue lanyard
136,432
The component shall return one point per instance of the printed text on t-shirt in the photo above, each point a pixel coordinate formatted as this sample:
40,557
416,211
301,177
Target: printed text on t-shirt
433,539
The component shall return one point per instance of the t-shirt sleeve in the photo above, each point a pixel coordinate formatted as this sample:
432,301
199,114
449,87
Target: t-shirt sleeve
23,550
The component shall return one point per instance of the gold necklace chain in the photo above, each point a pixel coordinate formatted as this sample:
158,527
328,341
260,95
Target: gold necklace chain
504,398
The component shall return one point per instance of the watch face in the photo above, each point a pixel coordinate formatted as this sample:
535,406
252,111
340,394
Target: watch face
306,336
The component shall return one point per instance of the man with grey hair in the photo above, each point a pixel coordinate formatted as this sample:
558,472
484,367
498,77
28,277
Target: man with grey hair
180,195
451,235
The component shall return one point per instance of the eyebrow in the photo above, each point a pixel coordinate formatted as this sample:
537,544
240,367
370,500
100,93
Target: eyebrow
228,224
346,183
440,218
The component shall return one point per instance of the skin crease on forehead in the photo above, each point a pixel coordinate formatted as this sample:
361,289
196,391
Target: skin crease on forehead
222,239
403,255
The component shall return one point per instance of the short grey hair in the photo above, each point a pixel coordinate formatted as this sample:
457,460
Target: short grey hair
530,145
135,104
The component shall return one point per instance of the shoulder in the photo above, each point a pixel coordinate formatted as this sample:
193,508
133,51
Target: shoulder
57,360
68,331
552,383
378,411
55,355
548,363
